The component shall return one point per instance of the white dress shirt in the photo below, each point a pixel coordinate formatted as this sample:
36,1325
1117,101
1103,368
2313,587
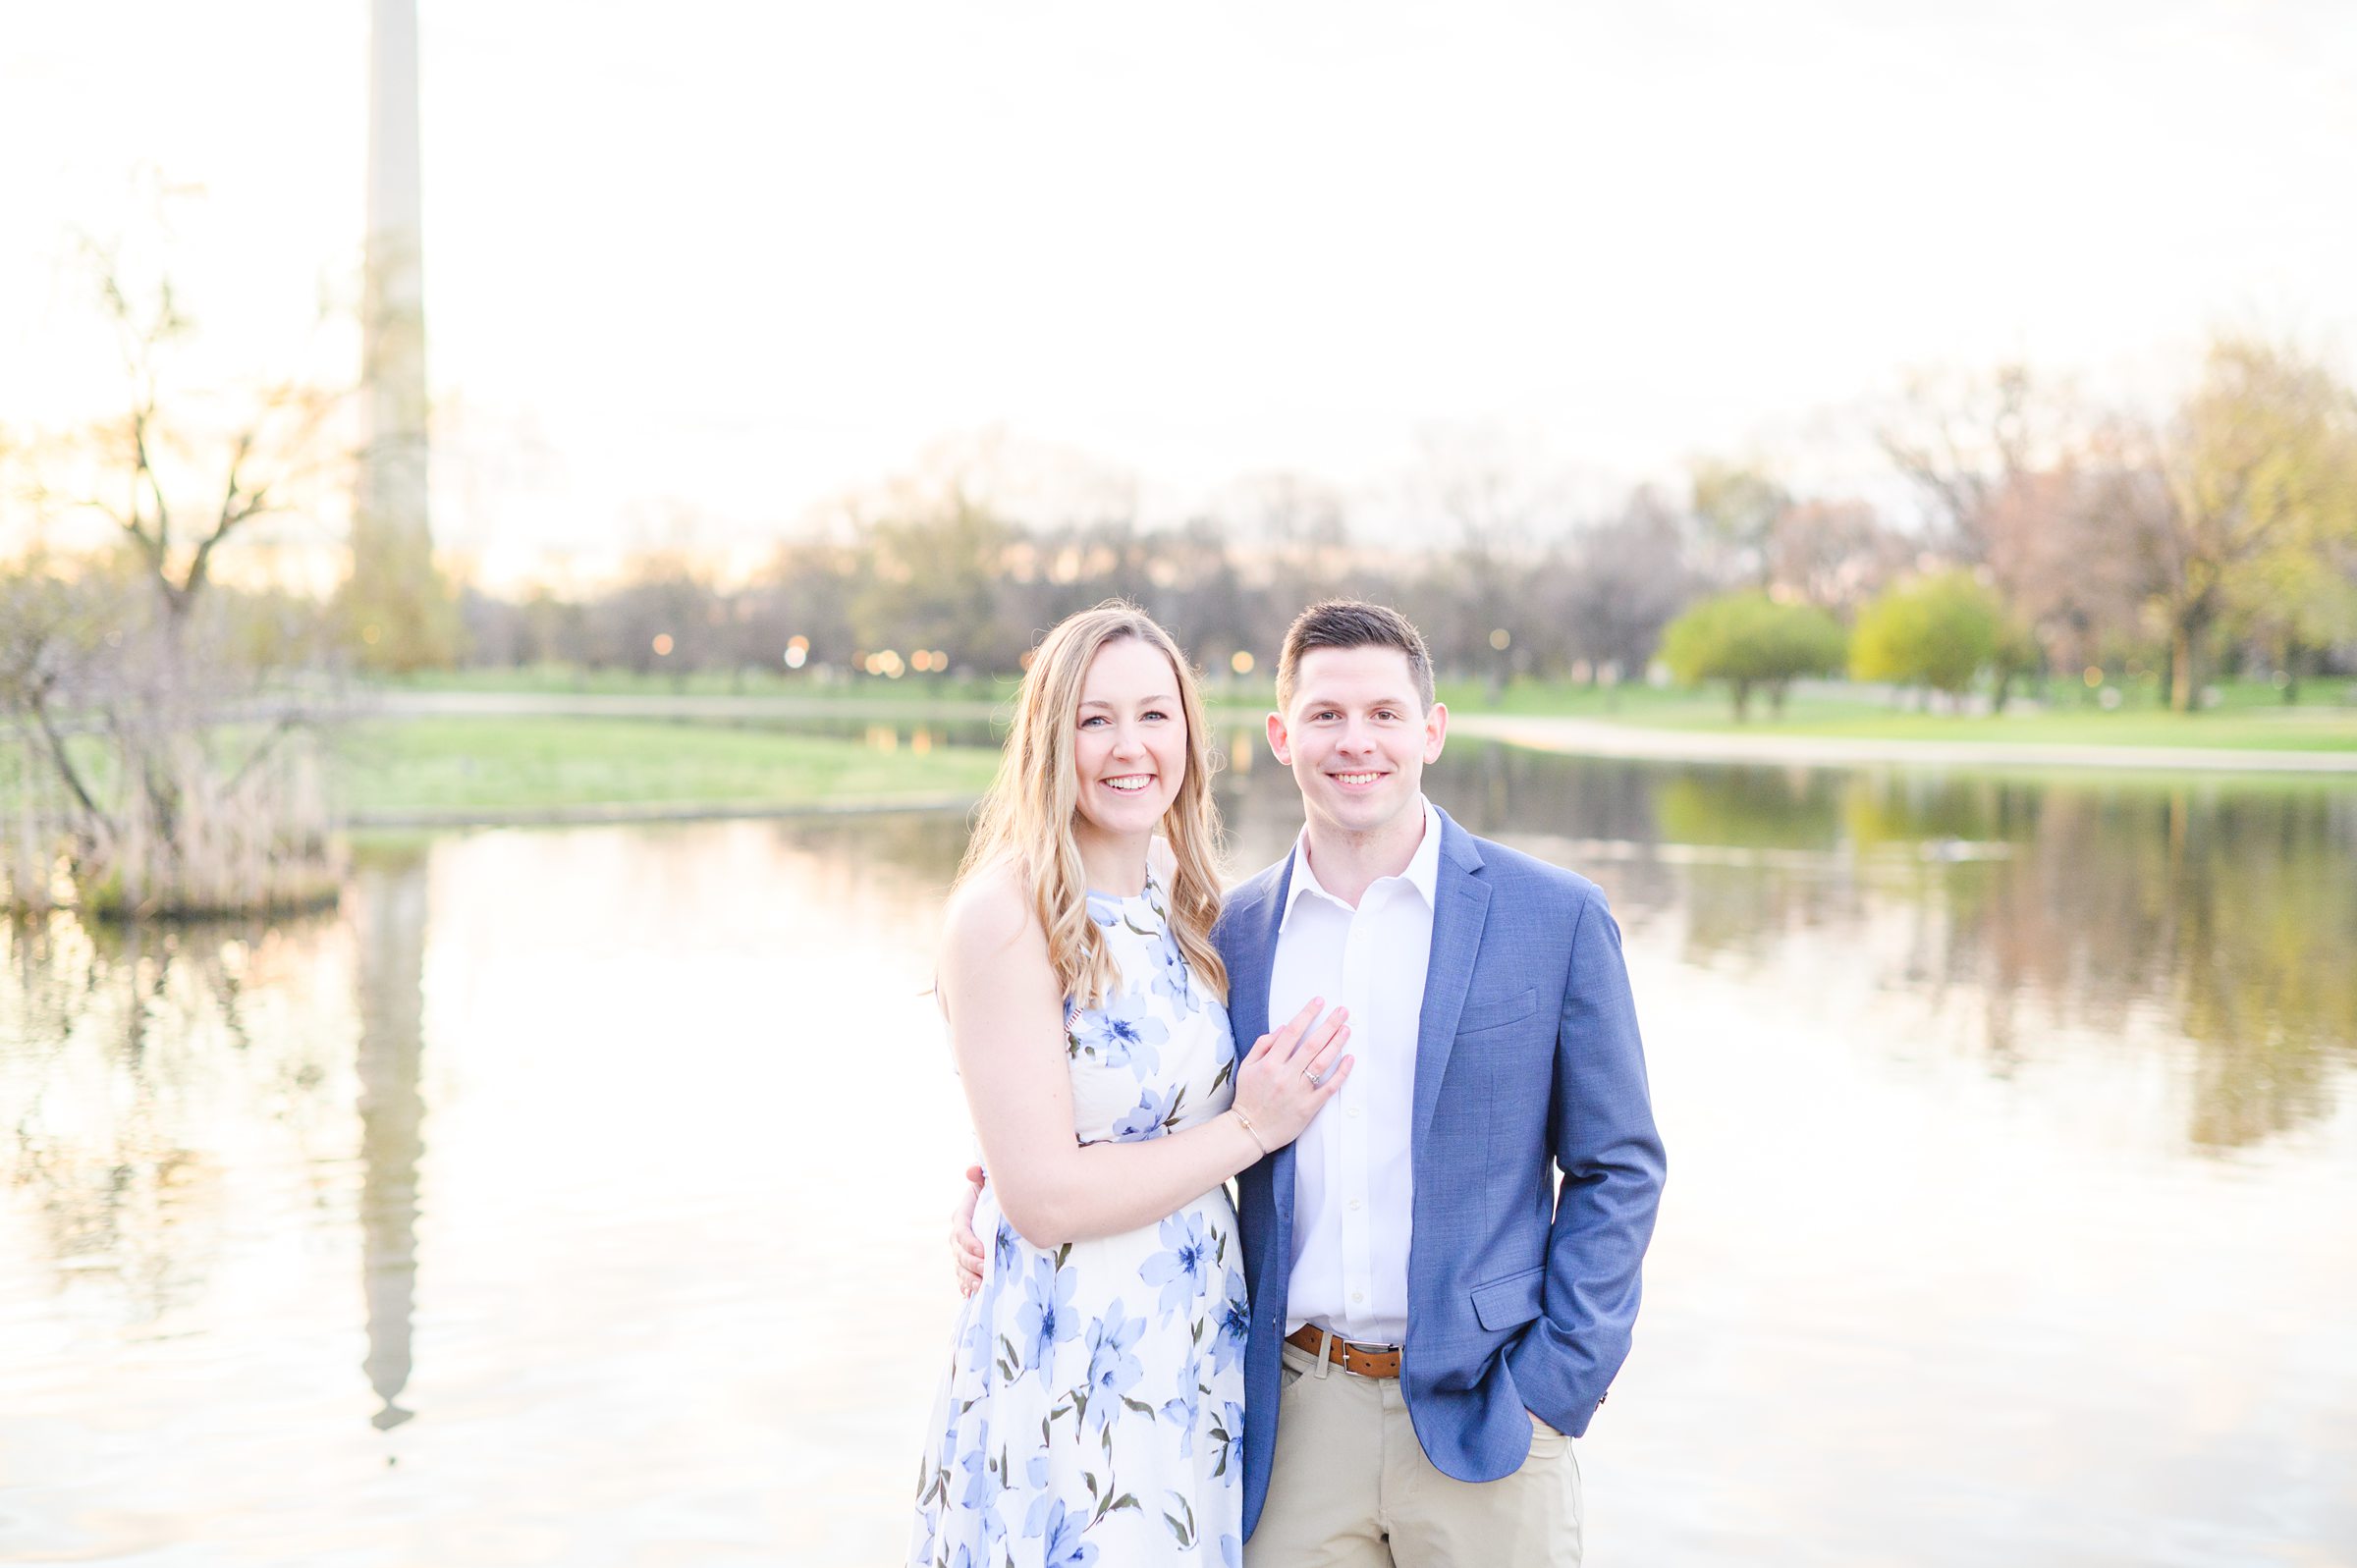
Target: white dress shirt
1353,1184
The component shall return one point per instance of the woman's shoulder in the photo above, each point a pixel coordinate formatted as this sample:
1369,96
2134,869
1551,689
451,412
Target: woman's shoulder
990,908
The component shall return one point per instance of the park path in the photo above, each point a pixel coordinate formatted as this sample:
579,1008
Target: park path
1587,738
1593,737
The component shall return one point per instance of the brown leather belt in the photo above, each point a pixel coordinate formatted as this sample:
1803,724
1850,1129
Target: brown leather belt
1349,1357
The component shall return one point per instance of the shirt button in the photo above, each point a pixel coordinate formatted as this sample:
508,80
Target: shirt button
1354,1206
1359,1295
1353,1109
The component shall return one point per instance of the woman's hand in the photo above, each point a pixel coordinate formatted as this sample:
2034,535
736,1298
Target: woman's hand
965,1248
1287,1076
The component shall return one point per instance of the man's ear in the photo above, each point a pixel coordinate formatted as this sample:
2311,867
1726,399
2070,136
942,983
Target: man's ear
1436,731
1279,742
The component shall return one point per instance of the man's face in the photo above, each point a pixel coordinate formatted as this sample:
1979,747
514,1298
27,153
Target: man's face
1357,737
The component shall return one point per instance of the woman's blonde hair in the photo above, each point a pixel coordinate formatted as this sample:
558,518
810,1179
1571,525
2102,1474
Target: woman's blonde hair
1026,818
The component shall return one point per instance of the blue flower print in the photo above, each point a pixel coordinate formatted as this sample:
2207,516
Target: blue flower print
1112,1369
1047,1319
1119,1034
1097,1413
1183,1263
1170,978
973,1345
1222,1042
994,1530
1233,1327
1227,1428
1149,1120
1035,1518
1183,1410
1004,1247
1065,1548
947,1458
1105,909
977,1475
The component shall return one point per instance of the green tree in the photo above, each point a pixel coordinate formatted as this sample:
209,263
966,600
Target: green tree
2257,486
1747,640
1938,632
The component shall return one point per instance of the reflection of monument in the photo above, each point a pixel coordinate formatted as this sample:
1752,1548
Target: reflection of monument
389,917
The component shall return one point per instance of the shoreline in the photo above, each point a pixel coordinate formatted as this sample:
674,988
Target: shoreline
592,814
1562,734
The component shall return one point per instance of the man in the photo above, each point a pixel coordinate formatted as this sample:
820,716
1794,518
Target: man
1433,1315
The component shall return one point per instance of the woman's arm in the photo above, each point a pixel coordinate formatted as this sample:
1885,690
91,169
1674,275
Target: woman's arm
1007,1027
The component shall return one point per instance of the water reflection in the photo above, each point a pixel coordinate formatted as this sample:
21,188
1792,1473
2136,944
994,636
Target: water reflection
388,917
668,1270
2227,911
112,1065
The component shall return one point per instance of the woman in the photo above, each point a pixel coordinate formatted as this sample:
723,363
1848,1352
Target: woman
1093,1398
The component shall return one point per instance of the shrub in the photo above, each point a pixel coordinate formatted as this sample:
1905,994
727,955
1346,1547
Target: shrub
1938,631
1748,640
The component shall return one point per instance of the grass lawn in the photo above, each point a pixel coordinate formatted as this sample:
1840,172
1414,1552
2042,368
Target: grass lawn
453,765
2250,715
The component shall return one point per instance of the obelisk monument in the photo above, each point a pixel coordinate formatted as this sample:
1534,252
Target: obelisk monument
400,612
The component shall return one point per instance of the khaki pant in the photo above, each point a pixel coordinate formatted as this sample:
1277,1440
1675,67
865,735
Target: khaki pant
1352,1488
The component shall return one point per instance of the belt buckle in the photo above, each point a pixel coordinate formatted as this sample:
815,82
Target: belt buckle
1342,1349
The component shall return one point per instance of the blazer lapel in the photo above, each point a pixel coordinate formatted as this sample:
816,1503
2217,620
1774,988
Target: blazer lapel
1248,1018
1460,908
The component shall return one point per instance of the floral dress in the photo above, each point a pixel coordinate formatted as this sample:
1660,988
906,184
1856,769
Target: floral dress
1093,1408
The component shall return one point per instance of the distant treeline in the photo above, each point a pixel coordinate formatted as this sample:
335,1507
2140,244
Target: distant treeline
2225,532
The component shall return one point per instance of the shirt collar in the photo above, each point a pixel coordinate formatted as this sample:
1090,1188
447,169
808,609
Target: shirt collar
1423,871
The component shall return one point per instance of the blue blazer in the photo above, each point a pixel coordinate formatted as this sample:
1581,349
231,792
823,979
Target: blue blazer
1521,1290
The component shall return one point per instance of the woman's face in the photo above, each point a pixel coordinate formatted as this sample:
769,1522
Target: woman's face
1129,744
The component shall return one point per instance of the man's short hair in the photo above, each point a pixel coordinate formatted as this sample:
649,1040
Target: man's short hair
1351,623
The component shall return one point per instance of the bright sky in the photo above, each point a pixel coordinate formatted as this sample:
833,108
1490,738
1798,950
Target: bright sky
733,259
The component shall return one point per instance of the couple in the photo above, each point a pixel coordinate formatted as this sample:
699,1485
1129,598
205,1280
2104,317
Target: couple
1385,1357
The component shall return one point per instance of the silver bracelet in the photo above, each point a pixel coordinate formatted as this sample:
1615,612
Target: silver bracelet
1245,1121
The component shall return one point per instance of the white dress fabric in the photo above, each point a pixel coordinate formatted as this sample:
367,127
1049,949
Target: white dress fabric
1094,1403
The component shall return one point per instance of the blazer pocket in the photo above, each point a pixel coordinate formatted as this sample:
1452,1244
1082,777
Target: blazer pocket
1498,1014
1511,1302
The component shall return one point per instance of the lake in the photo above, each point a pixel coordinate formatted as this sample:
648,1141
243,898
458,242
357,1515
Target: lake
577,1196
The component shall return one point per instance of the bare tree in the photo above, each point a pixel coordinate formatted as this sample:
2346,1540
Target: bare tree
1622,582
1964,440
1491,501
1835,554
1738,506
2054,556
138,691
145,473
